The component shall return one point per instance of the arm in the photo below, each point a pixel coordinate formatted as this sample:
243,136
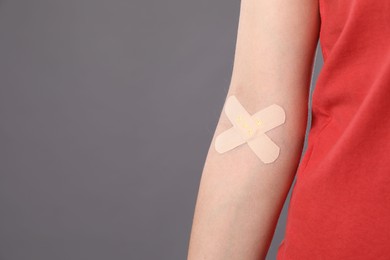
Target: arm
240,198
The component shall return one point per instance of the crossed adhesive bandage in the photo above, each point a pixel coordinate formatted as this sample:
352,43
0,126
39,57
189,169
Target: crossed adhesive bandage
251,129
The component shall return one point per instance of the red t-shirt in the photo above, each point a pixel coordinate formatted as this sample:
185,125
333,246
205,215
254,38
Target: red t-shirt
340,203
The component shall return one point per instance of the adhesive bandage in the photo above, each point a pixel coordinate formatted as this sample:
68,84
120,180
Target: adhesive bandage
251,129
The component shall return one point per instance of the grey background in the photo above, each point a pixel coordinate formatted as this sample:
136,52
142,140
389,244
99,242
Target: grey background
107,109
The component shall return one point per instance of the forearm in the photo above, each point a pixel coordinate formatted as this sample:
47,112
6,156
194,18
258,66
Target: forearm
240,197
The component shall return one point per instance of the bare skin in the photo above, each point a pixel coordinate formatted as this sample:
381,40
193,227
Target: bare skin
240,198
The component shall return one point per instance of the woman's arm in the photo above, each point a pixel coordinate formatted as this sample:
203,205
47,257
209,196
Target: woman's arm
240,198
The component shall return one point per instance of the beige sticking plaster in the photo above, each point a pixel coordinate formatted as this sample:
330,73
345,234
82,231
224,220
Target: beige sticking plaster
251,129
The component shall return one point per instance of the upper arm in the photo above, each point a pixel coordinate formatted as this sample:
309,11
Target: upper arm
276,42
273,63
